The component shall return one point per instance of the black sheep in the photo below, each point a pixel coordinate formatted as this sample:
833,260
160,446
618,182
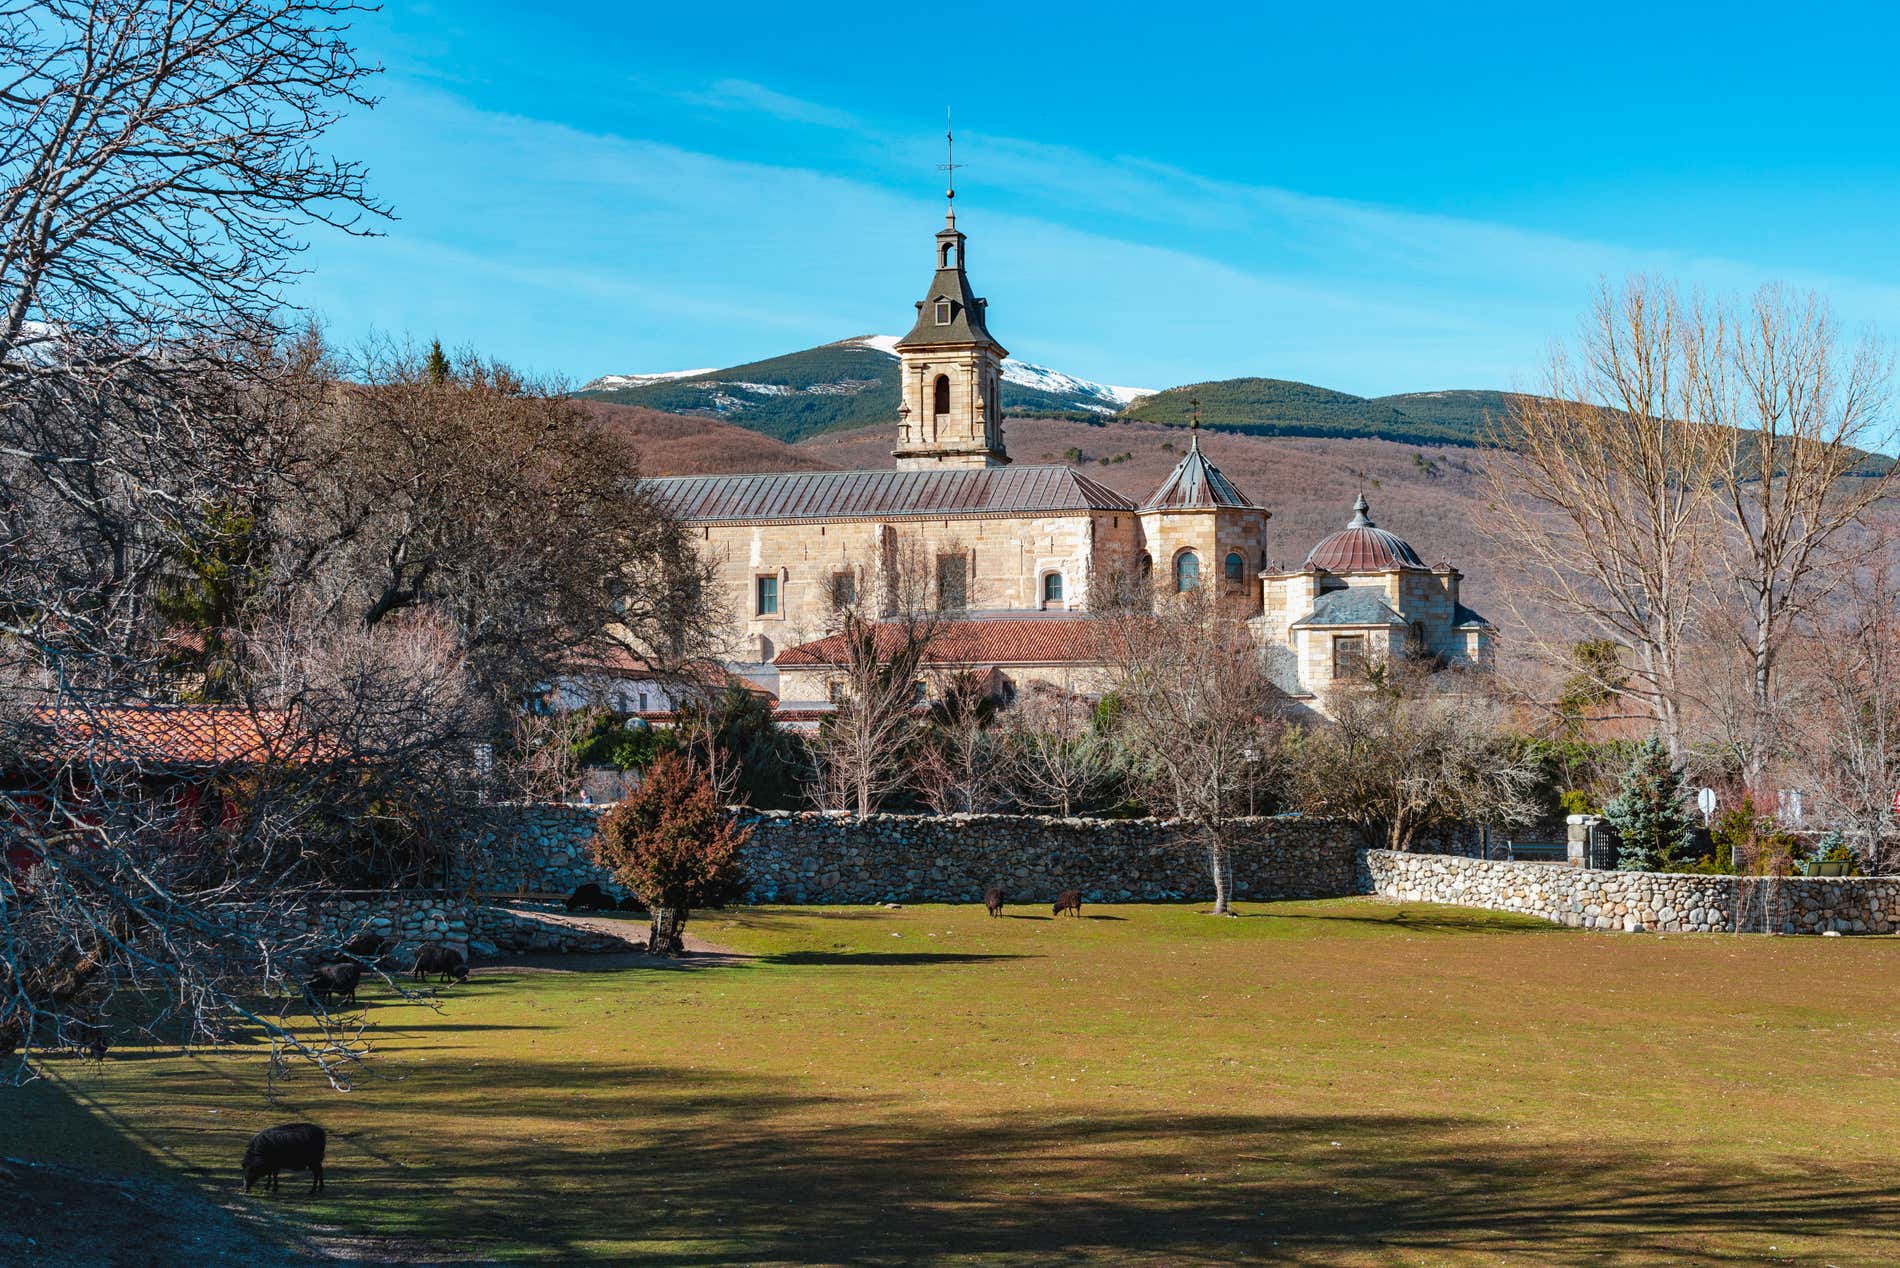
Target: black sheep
993,899
589,897
365,945
444,962
291,1147
1069,900
329,981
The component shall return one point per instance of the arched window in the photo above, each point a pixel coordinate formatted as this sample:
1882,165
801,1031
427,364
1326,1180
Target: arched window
1147,565
949,256
941,395
1052,589
1235,566
1187,571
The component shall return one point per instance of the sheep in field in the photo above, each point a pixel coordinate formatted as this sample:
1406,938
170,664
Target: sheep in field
291,1147
335,981
442,962
1069,900
993,899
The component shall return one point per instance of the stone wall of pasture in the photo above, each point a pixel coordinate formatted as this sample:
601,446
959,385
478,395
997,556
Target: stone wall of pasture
817,857
813,857
1588,898
411,919
530,848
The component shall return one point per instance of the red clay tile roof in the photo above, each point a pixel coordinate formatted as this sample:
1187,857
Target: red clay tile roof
170,736
817,495
1027,641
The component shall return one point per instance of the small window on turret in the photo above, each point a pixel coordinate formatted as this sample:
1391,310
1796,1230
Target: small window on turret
949,256
943,312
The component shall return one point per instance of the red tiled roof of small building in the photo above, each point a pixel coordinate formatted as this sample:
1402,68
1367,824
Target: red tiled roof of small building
161,736
1003,641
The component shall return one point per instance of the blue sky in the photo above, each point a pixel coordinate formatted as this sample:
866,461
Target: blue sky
1377,198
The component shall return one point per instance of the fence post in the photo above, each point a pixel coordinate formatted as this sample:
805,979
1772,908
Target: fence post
1582,838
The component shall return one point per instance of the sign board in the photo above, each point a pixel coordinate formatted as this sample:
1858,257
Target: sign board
1705,802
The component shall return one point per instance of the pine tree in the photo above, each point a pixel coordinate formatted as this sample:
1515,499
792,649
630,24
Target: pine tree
438,367
1650,811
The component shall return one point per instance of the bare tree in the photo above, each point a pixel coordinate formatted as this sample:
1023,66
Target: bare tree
1847,666
1054,757
958,769
1799,407
866,747
158,160
1195,717
1600,490
1409,752
497,502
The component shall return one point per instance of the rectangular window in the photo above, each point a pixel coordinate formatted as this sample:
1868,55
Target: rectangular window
953,582
1349,656
844,589
644,706
768,596
834,691
943,312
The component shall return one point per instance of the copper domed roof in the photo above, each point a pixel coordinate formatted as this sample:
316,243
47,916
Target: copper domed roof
1361,546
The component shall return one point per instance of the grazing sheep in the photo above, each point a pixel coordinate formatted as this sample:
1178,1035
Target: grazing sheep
993,899
88,1038
632,903
589,897
365,945
443,962
335,981
1069,900
291,1147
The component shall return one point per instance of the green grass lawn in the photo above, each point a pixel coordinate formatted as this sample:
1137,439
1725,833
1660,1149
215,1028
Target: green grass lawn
1343,1081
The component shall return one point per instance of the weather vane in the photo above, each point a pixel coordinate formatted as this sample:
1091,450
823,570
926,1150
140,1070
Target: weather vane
950,165
1194,413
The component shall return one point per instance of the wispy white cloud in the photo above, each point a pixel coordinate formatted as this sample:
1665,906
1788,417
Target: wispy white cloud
588,253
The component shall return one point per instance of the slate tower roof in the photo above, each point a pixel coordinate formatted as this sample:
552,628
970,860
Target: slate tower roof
1196,483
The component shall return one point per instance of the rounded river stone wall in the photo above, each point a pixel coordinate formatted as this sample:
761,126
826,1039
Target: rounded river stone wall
410,919
1586,898
818,857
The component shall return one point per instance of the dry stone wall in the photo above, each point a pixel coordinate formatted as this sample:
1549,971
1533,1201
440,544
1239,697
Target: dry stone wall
1588,898
810,857
816,857
410,919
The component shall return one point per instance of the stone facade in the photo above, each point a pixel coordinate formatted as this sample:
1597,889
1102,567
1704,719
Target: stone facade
1585,898
1363,596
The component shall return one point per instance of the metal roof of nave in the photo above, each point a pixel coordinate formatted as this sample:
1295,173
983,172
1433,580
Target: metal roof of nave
828,495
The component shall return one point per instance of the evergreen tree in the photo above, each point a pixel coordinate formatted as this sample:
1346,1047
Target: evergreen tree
1650,811
438,367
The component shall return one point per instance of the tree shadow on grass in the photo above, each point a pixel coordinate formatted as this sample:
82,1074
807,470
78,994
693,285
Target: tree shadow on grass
915,959
665,1164
1429,920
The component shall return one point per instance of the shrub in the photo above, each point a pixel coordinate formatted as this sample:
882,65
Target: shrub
1650,811
672,843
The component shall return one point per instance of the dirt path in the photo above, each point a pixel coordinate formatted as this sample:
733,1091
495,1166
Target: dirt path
629,928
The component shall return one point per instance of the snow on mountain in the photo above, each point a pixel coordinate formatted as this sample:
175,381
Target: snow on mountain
614,382
1039,377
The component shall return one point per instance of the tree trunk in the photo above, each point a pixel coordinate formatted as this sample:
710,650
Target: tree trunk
1218,861
667,934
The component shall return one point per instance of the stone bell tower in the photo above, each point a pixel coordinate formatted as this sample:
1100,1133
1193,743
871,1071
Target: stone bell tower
951,415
